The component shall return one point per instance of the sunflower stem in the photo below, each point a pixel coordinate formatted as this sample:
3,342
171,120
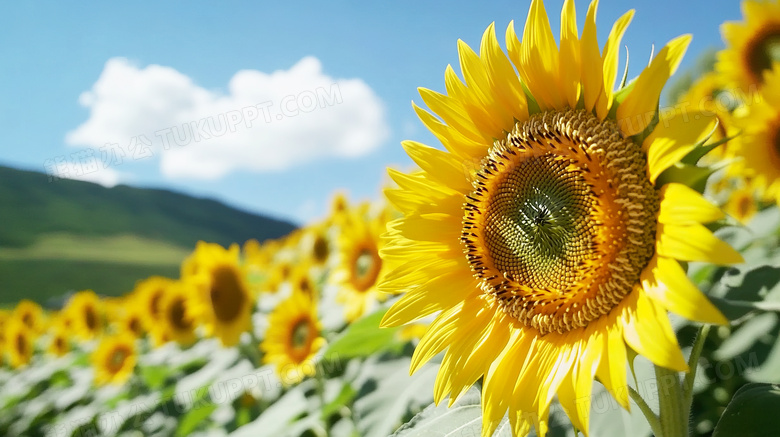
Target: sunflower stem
690,378
652,418
674,422
321,395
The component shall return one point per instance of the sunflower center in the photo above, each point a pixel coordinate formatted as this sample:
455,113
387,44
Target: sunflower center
320,249
116,359
135,325
59,344
227,296
21,344
90,318
299,334
177,315
562,220
154,303
365,268
762,51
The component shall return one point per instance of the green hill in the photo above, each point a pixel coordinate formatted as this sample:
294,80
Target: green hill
63,235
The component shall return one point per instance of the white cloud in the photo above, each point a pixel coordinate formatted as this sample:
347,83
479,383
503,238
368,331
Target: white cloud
89,170
265,122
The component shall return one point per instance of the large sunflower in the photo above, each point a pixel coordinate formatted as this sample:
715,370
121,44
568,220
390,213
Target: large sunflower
752,45
548,234
85,312
114,359
758,147
360,266
221,300
293,338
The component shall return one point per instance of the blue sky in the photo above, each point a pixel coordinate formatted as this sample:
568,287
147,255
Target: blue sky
59,95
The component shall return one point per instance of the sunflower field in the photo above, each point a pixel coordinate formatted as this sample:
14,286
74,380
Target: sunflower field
569,229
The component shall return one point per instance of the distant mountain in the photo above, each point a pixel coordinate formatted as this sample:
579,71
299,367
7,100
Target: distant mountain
61,235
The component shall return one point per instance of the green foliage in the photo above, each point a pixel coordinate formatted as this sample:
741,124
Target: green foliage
64,235
751,413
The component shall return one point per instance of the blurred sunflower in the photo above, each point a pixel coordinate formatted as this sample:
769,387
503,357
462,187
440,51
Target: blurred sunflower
751,46
302,282
18,342
114,359
149,293
31,314
360,267
221,300
704,96
316,245
86,314
133,319
741,204
59,341
554,186
175,322
758,146
293,338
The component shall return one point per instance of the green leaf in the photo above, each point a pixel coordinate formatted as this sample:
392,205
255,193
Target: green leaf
154,376
463,418
193,418
364,338
344,397
689,175
752,412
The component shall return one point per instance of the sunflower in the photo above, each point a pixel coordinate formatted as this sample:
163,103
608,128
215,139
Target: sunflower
132,319
175,322
85,312
59,341
741,204
149,293
752,45
221,301
316,244
114,359
708,95
293,338
758,146
301,281
19,340
360,266
31,314
548,235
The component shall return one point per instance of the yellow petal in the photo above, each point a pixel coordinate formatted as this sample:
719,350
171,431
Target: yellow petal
569,55
452,140
665,281
503,79
647,330
453,113
611,369
694,243
439,293
539,58
611,51
441,166
672,138
497,388
681,205
443,329
592,67
636,112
